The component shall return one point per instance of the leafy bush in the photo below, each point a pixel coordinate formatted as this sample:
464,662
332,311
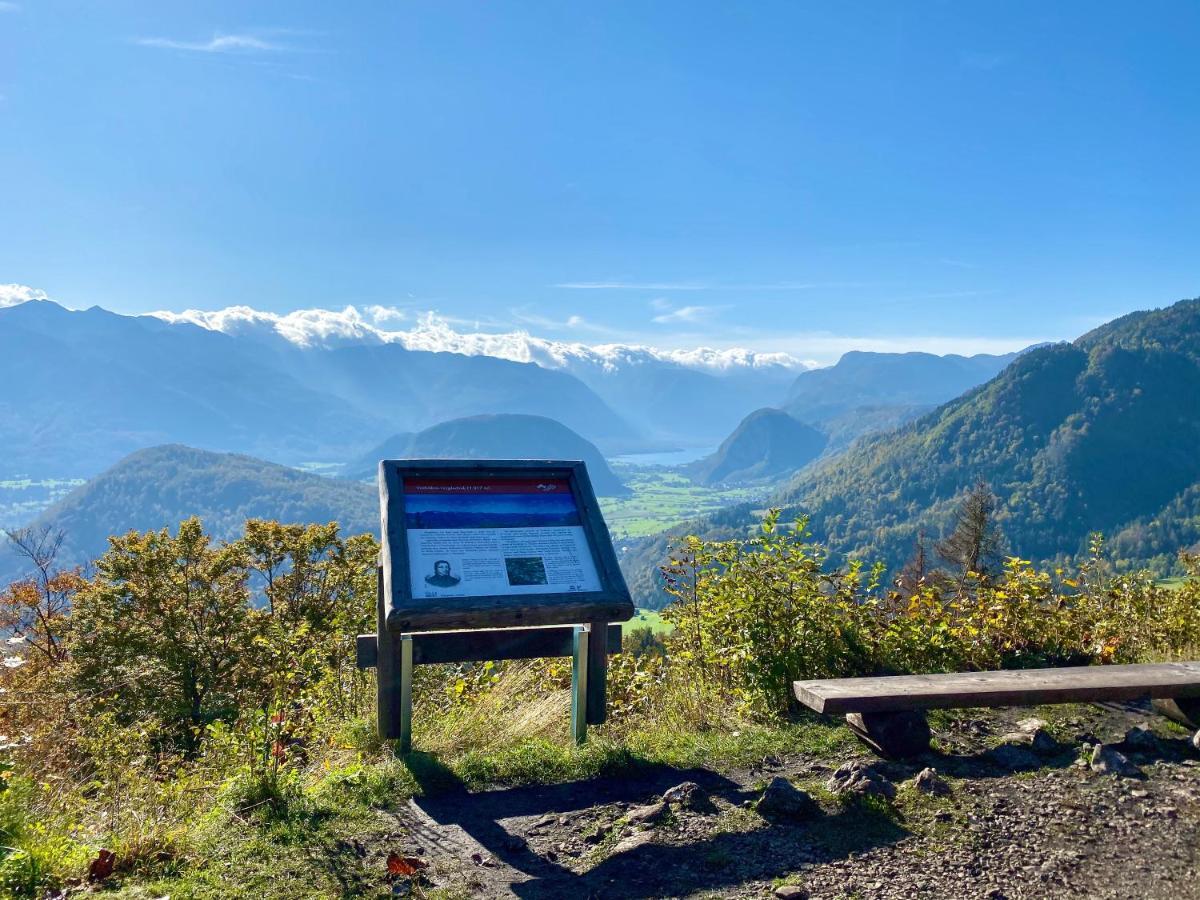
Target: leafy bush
753,616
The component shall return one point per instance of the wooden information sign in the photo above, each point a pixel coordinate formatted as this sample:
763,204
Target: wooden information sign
515,547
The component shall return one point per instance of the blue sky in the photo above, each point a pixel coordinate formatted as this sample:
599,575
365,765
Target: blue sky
951,175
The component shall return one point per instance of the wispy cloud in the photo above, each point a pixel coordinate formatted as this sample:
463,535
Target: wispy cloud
709,285
634,286
218,43
691,315
7,7
570,323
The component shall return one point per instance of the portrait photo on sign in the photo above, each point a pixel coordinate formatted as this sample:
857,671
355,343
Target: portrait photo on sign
442,575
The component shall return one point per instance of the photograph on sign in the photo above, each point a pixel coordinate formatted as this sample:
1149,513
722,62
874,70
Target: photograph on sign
484,537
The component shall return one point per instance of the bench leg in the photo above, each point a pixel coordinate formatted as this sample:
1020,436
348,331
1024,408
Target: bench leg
1184,710
892,734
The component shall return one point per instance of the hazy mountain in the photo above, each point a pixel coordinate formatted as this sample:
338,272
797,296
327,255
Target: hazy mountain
86,388
161,486
495,437
675,403
767,444
365,466
866,392
656,390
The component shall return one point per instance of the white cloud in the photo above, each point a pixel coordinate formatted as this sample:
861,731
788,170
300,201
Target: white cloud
690,315
15,294
323,328
219,43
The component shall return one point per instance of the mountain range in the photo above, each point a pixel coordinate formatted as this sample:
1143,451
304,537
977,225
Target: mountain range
89,387
97,385
1096,435
869,392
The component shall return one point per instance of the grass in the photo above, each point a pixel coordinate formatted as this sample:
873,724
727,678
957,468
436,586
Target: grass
649,618
307,848
663,499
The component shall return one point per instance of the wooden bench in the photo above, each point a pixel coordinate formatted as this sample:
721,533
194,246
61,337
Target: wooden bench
887,712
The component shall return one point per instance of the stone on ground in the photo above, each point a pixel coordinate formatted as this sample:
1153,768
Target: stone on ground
861,779
1036,739
784,800
791,892
1107,760
688,795
1141,738
928,781
648,814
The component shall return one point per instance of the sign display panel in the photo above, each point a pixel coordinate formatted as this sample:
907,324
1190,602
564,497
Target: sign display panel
494,543
488,537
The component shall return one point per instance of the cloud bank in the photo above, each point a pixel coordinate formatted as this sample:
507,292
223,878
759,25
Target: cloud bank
325,328
13,294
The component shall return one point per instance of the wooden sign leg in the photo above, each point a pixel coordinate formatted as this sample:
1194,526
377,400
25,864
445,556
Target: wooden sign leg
387,672
579,685
597,675
406,686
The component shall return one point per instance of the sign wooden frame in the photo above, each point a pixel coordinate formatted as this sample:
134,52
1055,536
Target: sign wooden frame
403,613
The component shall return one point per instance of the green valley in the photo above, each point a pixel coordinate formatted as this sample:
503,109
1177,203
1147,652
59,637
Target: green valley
663,498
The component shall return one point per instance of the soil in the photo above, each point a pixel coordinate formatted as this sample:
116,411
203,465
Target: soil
1059,829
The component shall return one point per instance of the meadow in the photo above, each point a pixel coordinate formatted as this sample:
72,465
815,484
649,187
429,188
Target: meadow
663,498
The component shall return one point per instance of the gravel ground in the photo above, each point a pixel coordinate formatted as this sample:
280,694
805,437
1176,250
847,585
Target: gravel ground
1013,824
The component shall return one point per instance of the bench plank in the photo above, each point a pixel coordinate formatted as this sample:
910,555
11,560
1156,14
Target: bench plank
1018,687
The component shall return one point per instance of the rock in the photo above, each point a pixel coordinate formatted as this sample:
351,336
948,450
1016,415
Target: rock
928,781
784,800
1032,724
1107,760
1013,756
633,842
648,814
1036,739
1196,740
858,778
1142,739
791,892
688,795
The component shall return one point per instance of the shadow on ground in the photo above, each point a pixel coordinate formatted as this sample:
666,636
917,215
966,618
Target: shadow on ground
643,869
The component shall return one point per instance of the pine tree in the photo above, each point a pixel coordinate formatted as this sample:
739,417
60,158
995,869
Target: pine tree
974,544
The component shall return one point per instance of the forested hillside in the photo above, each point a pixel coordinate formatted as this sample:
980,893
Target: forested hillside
161,486
767,444
1095,435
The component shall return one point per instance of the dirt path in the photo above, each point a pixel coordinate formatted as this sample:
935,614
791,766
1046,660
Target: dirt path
1060,830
